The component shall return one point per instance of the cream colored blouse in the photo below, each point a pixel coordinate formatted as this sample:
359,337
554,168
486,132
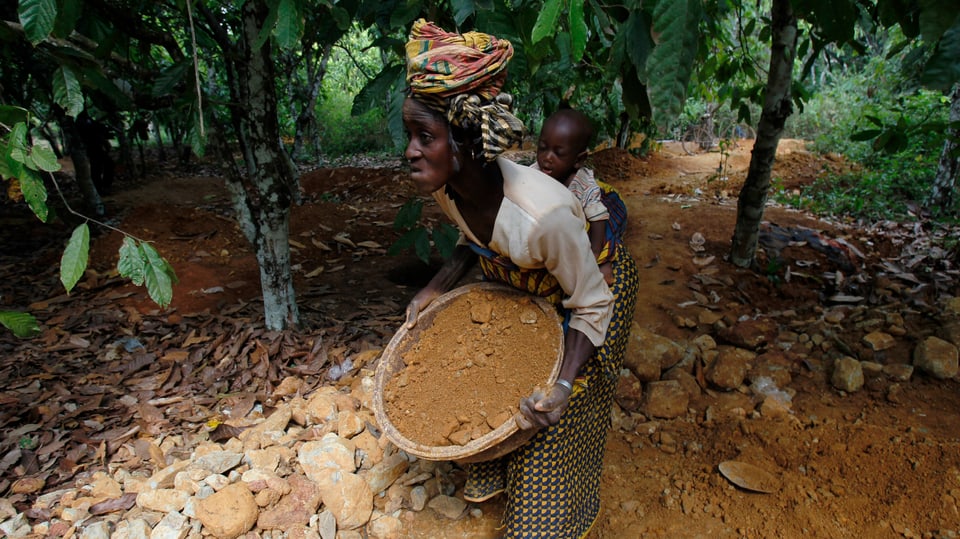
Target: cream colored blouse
540,224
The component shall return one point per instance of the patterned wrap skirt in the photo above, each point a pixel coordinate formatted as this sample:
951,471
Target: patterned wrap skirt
552,483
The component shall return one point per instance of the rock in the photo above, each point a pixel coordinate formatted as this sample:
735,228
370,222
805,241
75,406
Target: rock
879,341
648,353
327,525
774,408
750,334
268,431
951,306
900,372
937,358
665,399
317,458
348,497
686,380
950,331
105,487
219,462
294,509
164,478
383,474
349,424
730,368
418,498
15,527
135,528
368,451
708,318
258,479
448,506
704,342
230,512
385,527
629,391
163,500
321,408
847,375
96,530
172,526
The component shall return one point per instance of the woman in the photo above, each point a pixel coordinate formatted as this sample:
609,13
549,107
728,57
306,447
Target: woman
526,230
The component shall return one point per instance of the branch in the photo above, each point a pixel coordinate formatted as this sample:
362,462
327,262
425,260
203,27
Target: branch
355,62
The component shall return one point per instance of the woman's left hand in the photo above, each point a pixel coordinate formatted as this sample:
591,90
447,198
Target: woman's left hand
539,410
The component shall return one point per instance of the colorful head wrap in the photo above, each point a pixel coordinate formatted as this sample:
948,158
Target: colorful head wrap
460,76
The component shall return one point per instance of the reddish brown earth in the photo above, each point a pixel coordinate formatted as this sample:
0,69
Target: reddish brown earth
880,462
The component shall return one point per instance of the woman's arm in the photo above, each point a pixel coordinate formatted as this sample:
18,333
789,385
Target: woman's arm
455,267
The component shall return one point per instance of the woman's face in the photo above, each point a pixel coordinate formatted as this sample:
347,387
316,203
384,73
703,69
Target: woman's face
432,160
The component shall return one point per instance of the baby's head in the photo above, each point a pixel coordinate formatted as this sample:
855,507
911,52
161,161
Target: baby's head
563,143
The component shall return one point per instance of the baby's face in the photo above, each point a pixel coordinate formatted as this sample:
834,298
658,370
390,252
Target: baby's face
557,152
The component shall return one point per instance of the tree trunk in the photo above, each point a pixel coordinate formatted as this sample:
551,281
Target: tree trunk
81,168
306,120
945,182
777,108
270,172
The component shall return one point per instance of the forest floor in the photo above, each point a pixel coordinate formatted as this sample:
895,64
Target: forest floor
111,367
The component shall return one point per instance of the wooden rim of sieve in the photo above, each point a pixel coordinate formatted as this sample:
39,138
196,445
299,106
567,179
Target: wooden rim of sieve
391,363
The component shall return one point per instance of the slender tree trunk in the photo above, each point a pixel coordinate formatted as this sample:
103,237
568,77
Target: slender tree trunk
271,173
945,182
81,168
776,109
306,120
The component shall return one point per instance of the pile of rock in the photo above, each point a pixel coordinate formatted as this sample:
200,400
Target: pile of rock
759,357
316,467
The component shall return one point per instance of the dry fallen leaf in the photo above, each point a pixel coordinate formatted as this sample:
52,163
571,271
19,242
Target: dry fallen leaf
344,238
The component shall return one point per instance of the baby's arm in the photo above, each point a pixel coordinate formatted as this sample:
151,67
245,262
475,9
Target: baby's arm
598,235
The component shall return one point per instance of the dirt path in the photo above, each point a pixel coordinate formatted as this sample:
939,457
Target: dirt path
883,461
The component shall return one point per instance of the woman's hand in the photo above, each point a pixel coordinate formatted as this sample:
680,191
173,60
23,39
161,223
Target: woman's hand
418,304
538,411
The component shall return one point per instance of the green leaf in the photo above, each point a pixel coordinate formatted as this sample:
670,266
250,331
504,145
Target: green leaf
942,71
289,25
74,260
578,30
403,243
546,25
866,134
37,18
17,142
68,14
375,91
67,92
130,263
670,64
168,80
408,215
96,79
461,10
10,115
44,158
421,245
936,16
23,325
158,276
34,192
445,239
267,30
